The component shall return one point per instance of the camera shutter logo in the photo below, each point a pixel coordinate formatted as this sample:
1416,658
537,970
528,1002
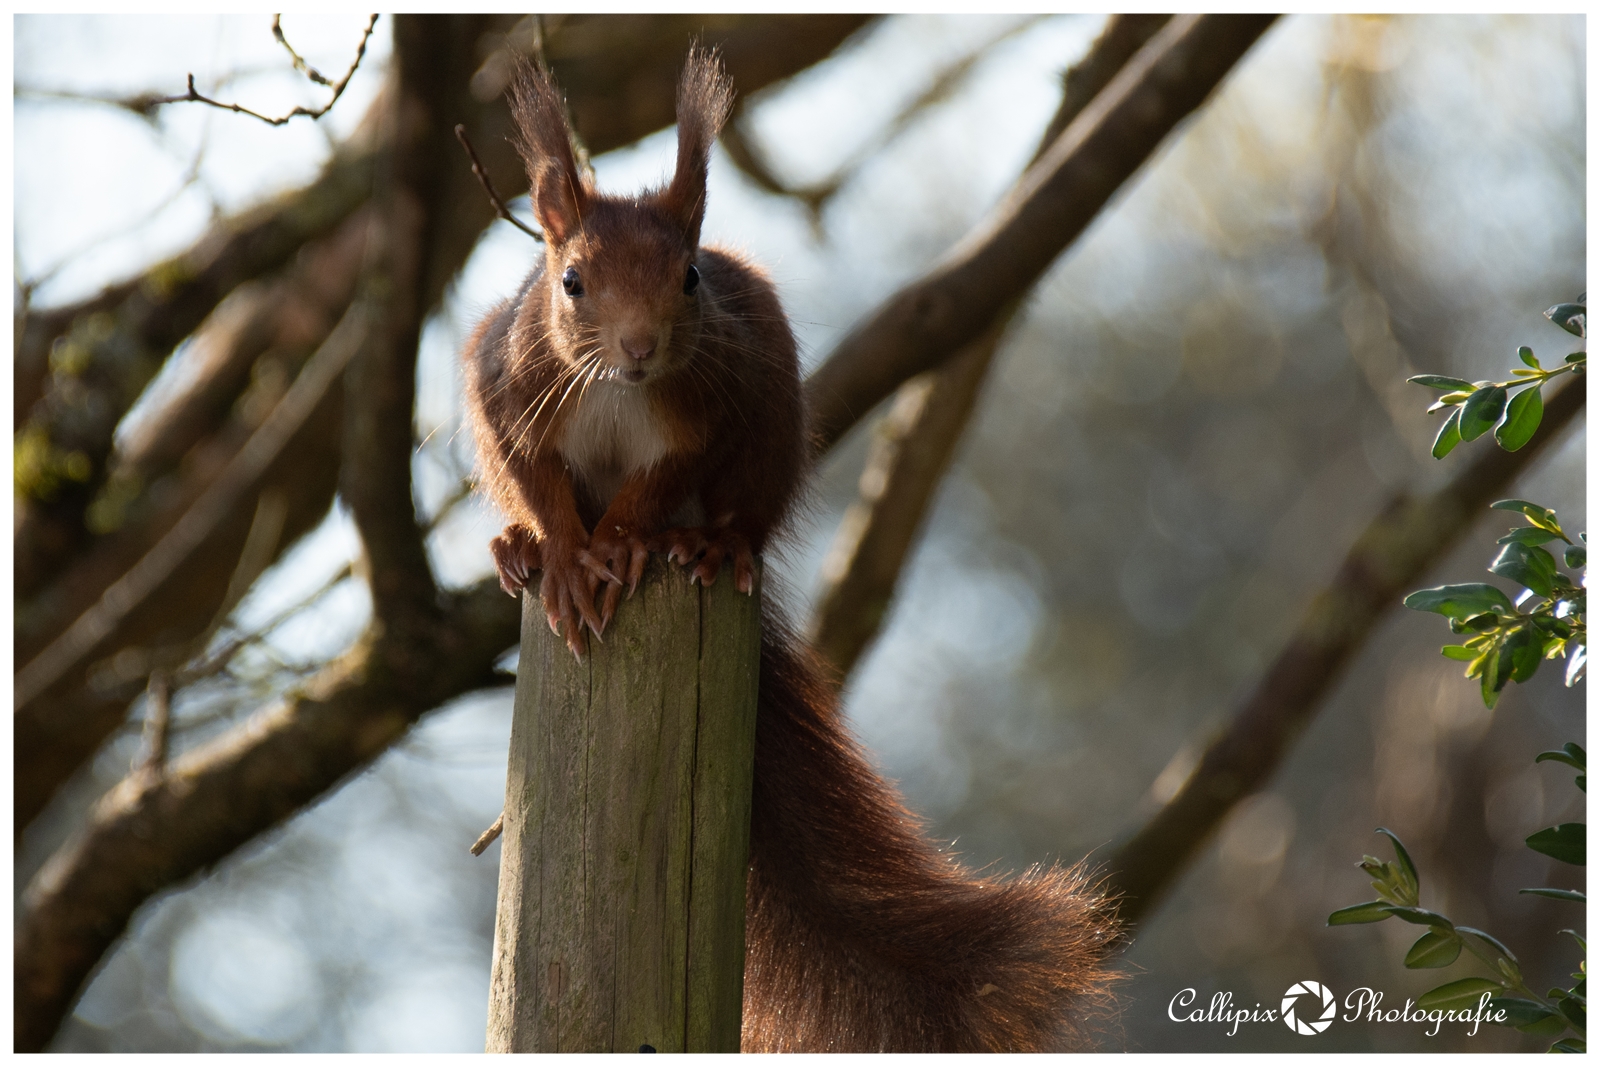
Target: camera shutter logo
1308,1026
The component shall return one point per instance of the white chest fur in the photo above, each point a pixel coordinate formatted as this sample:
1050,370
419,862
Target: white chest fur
612,433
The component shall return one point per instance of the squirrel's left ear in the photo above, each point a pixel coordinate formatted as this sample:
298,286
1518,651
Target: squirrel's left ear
705,97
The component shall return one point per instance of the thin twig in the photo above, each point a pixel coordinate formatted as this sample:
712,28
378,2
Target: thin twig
488,187
300,64
488,836
195,96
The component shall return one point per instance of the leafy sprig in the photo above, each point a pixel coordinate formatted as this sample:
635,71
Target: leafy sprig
1507,641
1478,407
1559,1012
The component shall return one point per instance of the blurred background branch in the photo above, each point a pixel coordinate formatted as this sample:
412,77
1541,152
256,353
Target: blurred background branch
1051,204
1408,536
914,440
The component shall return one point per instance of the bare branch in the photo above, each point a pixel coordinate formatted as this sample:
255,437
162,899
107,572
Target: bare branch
488,187
194,96
1394,551
962,296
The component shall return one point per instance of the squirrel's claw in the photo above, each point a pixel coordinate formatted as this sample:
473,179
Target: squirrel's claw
608,557
516,556
704,550
567,591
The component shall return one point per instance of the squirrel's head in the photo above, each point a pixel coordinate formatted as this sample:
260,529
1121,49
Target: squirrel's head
623,288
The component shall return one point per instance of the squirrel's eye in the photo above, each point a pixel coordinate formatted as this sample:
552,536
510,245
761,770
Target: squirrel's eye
691,281
571,282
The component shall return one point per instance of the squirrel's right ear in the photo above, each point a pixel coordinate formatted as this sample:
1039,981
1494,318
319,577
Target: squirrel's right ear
559,194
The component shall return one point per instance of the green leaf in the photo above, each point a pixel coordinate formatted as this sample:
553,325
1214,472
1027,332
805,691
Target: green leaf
1461,601
1490,940
1452,996
1421,917
1492,680
1576,357
1527,535
1459,652
1577,557
1436,948
1574,1011
1522,1013
1557,894
1527,565
1404,867
1570,753
1570,1045
1526,355
1567,316
1537,514
1523,415
1481,411
1441,381
1567,843
1372,912
1524,652
1449,435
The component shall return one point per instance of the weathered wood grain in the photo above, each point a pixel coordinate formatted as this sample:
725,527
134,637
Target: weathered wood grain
620,920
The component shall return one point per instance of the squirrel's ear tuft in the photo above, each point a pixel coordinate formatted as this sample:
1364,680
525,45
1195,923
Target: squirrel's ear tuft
558,191
705,96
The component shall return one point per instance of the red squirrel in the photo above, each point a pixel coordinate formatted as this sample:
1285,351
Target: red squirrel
641,393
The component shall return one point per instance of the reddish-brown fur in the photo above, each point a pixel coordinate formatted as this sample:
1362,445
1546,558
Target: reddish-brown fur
634,415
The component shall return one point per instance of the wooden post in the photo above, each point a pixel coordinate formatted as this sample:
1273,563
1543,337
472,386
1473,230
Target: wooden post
620,920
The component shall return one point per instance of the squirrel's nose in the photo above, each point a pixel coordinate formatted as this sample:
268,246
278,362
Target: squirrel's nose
640,348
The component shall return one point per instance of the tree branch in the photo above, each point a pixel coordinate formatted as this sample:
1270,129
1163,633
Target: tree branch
1051,204
150,833
917,439
1390,556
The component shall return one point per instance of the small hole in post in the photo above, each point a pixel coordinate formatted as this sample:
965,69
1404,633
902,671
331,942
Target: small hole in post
647,1048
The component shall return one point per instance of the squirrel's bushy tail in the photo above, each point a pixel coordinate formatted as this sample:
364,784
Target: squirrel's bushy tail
861,936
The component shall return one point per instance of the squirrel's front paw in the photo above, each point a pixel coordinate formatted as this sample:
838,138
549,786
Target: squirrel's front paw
567,592
516,557
703,548
613,551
